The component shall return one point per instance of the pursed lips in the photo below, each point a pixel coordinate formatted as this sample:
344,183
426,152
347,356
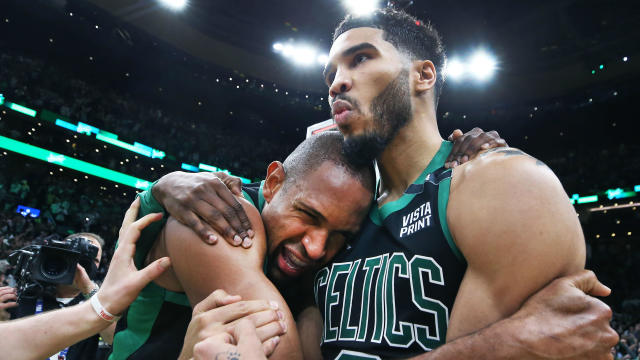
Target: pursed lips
339,106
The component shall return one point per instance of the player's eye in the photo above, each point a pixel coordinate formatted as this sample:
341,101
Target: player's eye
359,58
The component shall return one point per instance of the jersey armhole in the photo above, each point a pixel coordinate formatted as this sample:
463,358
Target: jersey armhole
248,198
443,201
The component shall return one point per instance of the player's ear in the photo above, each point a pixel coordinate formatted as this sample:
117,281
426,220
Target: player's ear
274,181
424,75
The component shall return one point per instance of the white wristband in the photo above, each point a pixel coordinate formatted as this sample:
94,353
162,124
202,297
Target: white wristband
101,311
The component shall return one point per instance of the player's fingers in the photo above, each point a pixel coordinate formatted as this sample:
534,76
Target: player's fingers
501,143
237,310
587,281
274,328
264,317
462,148
222,216
130,215
214,300
199,226
475,146
455,138
144,221
213,346
133,232
232,182
247,340
151,272
233,210
455,135
269,346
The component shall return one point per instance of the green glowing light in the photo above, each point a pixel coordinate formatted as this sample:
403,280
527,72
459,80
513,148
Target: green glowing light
72,163
122,144
108,134
206,167
601,66
1,99
22,109
588,199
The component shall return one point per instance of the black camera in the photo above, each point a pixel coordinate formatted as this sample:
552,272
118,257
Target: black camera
38,268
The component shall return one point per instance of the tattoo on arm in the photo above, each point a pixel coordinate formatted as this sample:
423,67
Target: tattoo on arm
228,355
512,152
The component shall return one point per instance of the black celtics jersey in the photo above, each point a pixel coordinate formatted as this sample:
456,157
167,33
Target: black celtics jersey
390,294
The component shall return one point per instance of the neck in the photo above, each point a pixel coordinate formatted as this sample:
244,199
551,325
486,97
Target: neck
67,291
408,155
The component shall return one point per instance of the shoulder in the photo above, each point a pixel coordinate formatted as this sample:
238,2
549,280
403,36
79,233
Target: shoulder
180,239
176,228
508,199
504,166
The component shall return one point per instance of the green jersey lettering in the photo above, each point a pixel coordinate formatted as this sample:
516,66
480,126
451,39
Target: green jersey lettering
428,338
404,337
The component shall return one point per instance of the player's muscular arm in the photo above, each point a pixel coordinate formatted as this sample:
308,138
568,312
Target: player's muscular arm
512,220
199,269
309,324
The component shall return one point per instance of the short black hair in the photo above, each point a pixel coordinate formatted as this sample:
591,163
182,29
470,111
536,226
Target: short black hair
418,39
317,149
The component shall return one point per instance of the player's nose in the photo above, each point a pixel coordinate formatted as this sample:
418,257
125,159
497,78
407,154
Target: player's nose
314,243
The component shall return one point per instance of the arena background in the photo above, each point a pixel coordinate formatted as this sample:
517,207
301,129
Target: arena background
143,90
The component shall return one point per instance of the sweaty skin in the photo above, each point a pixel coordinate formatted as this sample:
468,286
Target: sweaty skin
199,269
537,238
508,214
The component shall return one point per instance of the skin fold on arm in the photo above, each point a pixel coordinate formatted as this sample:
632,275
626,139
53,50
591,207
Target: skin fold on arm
199,269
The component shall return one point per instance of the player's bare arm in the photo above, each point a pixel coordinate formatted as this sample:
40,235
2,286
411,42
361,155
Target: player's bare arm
513,222
199,269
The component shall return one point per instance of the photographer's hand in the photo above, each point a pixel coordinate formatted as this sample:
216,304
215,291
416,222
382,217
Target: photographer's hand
7,293
82,282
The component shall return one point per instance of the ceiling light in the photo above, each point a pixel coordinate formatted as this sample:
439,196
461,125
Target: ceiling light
482,65
361,7
174,4
454,69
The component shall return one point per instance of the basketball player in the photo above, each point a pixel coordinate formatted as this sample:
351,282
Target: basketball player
310,206
443,254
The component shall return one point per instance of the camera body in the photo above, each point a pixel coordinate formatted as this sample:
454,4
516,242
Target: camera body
39,268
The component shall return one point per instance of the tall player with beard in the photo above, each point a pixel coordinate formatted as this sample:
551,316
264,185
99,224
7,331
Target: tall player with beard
443,253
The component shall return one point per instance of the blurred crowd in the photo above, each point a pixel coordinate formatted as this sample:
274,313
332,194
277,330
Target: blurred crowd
226,132
628,327
44,86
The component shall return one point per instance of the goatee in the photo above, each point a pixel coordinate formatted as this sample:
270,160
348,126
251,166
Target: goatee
390,110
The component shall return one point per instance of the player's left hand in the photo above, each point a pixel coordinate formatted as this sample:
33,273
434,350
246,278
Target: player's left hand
466,146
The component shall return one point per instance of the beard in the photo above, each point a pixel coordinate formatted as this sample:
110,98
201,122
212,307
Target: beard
390,111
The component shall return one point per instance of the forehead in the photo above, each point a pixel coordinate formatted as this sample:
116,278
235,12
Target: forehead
358,36
331,189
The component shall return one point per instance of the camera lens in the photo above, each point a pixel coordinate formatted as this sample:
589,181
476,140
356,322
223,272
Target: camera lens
54,266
